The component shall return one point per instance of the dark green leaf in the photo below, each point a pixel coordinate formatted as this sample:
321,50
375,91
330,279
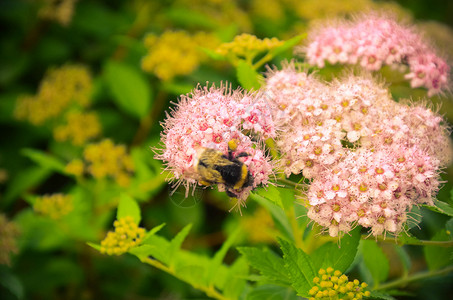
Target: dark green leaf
375,260
24,180
404,257
247,76
437,257
9,281
441,207
130,90
337,255
375,295
44,160
128,207
299,267
270,265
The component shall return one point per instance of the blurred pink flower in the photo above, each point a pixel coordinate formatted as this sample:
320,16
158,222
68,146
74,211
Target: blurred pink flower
373,41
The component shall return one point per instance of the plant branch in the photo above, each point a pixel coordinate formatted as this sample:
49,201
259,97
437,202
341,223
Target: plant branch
418,276
210,291
412,242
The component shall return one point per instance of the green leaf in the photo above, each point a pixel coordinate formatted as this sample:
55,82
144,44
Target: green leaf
449,228
271,292
299,267
404,257
235,281
247,76
176,243
129,88
213,54
24,180
280,219
375,260
437,257
441,207
338,256
272,194
406,238
128,207
10,282
44,160
271,266
375,295
219,256
94,245
288,44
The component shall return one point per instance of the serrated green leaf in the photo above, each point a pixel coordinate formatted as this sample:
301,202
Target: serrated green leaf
129,88
44,160
441,207
271,292
375,260
271,266
128,207
375,295
272,194
176,243
299,267
338,256
406,238
247,76
437,257
219,256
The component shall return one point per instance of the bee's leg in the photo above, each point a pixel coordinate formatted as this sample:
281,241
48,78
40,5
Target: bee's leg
231,194
242,154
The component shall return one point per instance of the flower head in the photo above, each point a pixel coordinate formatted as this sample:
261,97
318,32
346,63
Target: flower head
8,237
127,235
331,284
217,118
54,206
374,41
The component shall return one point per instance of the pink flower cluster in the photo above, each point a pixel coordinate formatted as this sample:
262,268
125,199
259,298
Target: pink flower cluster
372,42
370,158
210,118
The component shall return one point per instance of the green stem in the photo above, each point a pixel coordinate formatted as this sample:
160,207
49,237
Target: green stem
287,182
262,61
418,276
415,243
208,290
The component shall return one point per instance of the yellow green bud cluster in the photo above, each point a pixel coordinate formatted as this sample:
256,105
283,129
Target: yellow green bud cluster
176,53
333,285
102,160
61,88
247,46
54,206
8,237
127,235
261,219
79,128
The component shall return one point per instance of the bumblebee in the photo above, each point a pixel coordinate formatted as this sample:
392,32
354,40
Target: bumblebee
214,167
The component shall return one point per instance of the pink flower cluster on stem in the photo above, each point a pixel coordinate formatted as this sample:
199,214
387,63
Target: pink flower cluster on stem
373,42
210,117
370,158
